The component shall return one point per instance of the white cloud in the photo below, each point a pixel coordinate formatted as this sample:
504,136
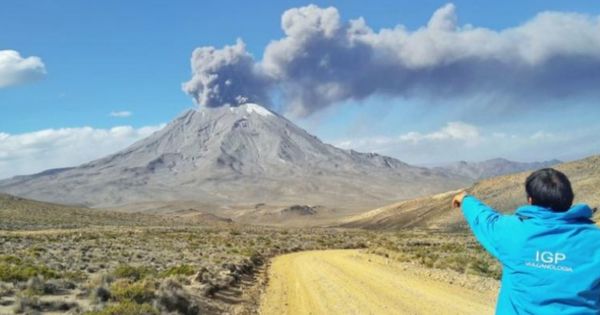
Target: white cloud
15,70
542,135
452,132
53,148
461,141
121,114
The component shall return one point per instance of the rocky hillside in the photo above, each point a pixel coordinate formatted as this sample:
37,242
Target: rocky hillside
504,193
18,213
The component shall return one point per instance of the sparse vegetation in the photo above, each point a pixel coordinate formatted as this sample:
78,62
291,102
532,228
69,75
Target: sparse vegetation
155,267
180,270
440,250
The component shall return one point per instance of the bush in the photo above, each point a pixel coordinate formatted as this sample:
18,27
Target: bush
25,271
184,270
457,263
35,286
10,259
132,272
100,294
25,303
172,297
6,289
484,267
77,275
139,292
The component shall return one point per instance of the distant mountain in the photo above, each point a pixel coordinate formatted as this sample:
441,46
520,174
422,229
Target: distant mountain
491,168
504,193
234,155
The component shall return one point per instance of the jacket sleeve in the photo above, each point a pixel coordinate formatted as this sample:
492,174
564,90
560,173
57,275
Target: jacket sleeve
484,222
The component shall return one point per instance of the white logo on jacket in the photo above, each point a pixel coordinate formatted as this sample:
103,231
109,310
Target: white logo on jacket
549,260
549,257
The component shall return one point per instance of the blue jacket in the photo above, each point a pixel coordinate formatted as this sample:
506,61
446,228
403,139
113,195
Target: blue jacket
550,260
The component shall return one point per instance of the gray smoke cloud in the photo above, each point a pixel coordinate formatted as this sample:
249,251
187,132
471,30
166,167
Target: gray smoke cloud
323,60
227,76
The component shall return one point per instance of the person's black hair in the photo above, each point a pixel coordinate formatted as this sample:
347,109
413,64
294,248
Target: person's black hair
550,189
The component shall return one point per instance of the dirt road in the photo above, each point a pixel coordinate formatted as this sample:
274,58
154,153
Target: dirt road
351,282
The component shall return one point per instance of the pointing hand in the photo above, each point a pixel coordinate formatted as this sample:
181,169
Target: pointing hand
458,199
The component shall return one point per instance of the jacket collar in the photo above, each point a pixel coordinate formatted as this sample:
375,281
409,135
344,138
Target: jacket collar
578,212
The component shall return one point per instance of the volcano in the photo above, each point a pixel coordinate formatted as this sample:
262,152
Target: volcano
234,155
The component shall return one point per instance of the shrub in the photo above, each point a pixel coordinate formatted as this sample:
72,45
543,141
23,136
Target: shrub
483,267
8,259
139,292
25,271
25,303
185,270
77,275
456,263
100,280
100,294
132,272
6,289
172,297
35,286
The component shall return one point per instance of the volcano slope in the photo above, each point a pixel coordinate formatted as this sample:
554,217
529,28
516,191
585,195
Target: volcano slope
504,193
234,155
352,282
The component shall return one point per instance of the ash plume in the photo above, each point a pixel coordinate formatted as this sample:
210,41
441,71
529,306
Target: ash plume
323,60
226,76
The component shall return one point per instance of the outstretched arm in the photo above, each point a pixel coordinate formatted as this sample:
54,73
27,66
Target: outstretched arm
482,219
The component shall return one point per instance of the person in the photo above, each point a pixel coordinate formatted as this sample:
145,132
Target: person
549,249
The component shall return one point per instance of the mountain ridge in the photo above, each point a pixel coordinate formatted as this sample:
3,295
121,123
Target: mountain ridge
493,167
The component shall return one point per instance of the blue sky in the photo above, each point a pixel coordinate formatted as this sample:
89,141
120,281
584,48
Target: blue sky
103,57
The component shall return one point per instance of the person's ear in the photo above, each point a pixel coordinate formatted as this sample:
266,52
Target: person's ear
529,200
